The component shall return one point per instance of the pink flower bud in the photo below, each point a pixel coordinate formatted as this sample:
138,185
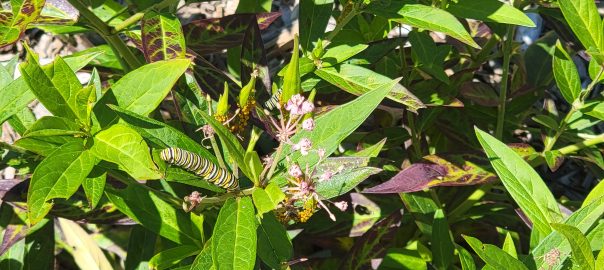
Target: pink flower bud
304,145
326,176
307,107
295,171
342,205
294,104
321,152
308,124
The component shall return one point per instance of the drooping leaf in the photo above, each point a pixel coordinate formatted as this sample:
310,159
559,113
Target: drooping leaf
147,207
86,252
581,251
494,256
234,237
314,15
57,176
490,11
584,19
274,246
359,80
123,146
162,37
522,182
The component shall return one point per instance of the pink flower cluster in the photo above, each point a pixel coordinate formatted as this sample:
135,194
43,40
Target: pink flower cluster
296,105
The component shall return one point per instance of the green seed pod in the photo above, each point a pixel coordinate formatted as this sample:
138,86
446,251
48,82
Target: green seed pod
244,95
223,102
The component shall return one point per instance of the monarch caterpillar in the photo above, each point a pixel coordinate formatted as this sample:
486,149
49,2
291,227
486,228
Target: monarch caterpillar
200,166
273,102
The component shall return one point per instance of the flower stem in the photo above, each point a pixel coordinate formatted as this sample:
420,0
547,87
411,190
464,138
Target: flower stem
503,91
581,145
274,163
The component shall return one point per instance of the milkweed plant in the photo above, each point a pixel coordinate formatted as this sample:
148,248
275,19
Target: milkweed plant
312,134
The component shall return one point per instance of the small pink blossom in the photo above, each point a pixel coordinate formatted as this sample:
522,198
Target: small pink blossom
294,104
326,176
342,205
304,145
307,107
308,124
295,171
321,152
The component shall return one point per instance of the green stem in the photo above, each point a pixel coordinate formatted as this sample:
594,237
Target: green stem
340,25
139,15
274,163
217,152
469,202
581,145
415,140
507,54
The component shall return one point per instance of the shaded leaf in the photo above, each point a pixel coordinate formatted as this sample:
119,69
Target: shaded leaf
274,246
171,257
314,15
427,56
566,74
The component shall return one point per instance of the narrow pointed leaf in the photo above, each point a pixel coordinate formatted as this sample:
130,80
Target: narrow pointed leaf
162,37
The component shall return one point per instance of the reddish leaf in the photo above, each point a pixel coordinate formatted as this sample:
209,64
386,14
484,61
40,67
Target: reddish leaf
253,58
22,15
162,37
214,35
449,170
13,233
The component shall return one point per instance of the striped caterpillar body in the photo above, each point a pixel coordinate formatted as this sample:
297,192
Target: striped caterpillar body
200,166
273,102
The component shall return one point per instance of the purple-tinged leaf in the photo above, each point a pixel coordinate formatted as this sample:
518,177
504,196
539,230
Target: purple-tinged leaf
162,37
216,34
448,170
253,59
6,185
13,233
24,13
480,93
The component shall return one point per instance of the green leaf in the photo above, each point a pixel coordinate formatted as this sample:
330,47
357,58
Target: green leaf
57,176
566,74
465,258
489,11
429,57
522,182
94,185
494,256
434,19
600,261
371,151
274,246
508,245
443,247
140,248
267,199
123,146
234,237
314,15
141,90
171,257
48,133
254,165
204,261
291,79
343,182
147,207
86,251
162,37
161,133
594,194
340,53
584,19
581,251
359,80
397,258
23,13
15,97
584,219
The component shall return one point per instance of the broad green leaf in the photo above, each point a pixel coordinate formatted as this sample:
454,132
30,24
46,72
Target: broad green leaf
494,256
594,194
584,19
141,90
522,182
443,247
56,98
274,246
231,143
161,133
123,146
581,252
254,165
359,80
162,37
427,56
594,69
371,151
15,97
343,182
465,258
508,245
94,185
57,176
140,248
22,120
595,109
86,251
267,199
234,237
340,53
314,15
48,133
171,257
204,261
489,11
600,261
434,19
147,207
566,74
584,219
